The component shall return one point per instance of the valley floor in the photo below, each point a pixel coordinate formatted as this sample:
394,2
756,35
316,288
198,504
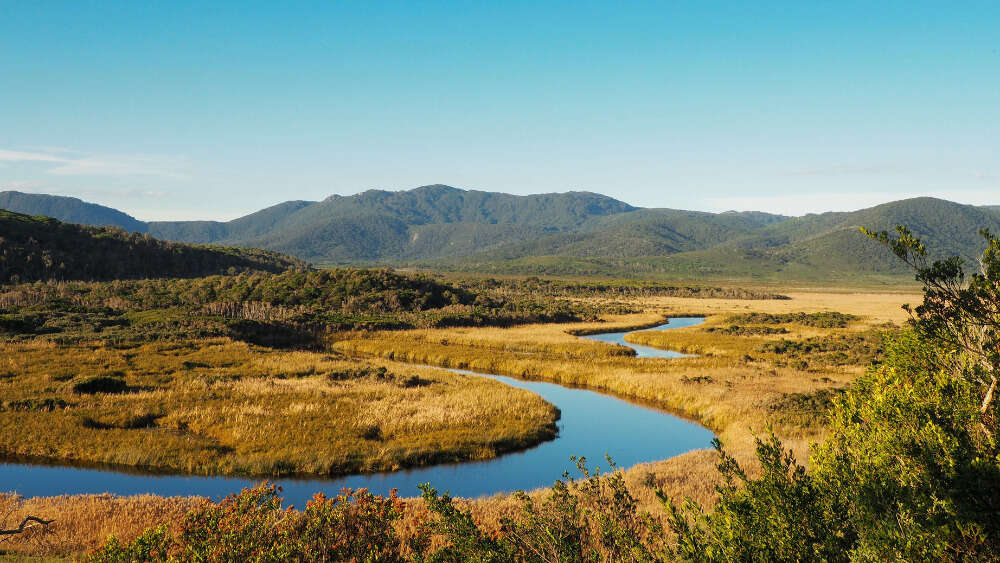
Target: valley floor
757,363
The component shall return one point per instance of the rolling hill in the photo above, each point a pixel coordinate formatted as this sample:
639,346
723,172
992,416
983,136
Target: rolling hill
826,246
373,226
573,233
36,248
69,210
376,225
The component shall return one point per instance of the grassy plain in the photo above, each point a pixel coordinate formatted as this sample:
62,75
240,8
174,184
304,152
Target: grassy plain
745,378
737,385
218,406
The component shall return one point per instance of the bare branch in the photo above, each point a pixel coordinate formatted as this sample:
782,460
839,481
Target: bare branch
25,525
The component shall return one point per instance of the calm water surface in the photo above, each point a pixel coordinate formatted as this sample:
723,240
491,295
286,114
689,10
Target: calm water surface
648,351
591,425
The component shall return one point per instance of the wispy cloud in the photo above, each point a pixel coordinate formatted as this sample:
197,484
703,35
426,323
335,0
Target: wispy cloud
66,162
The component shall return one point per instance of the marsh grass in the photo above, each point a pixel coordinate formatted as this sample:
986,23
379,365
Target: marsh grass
83,522
736,385
225,407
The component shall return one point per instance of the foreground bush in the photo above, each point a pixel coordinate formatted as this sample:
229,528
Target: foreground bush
595,518
253,526
909,472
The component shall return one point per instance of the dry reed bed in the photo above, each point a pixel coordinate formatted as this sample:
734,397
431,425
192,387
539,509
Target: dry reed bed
225,407
83,522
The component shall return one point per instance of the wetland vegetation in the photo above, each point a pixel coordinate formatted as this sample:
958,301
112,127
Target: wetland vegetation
91,366
216,406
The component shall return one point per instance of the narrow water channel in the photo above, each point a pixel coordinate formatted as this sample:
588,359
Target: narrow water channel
648,351
591,425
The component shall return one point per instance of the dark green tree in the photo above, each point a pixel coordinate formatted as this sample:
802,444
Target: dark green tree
960,311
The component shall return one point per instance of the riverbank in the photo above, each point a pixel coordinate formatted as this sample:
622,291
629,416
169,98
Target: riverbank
734,384
220,407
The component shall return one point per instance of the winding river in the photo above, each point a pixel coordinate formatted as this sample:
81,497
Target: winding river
591,425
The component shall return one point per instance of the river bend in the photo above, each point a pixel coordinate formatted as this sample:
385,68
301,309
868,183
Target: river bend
591,425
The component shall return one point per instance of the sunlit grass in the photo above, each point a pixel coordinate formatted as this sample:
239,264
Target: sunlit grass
224,407
732,386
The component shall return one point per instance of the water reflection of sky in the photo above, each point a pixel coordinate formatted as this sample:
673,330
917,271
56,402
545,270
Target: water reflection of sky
648,351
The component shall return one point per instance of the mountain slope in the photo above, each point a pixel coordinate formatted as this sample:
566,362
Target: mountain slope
256,224
69,210
379,226
645,232
426,222
581,233
946,227
827,246
41,248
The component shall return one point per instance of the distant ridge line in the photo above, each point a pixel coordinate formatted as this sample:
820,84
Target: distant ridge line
568,233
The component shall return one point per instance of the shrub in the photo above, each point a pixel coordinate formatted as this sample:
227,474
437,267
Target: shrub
594,518
100,384
47,404
253,526
908,472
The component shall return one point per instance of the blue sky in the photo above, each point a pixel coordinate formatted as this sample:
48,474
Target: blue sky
173,110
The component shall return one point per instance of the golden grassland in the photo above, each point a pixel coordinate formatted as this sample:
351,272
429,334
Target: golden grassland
83,522
737,386
730,387
223,407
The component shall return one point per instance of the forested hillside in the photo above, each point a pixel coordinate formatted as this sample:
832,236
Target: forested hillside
647,232
41,248
573,233
69,210
378,226
813,247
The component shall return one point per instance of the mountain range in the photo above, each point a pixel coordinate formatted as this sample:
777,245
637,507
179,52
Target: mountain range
572,233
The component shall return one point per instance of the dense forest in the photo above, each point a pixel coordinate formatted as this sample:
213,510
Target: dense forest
83,282
612,288
41,248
